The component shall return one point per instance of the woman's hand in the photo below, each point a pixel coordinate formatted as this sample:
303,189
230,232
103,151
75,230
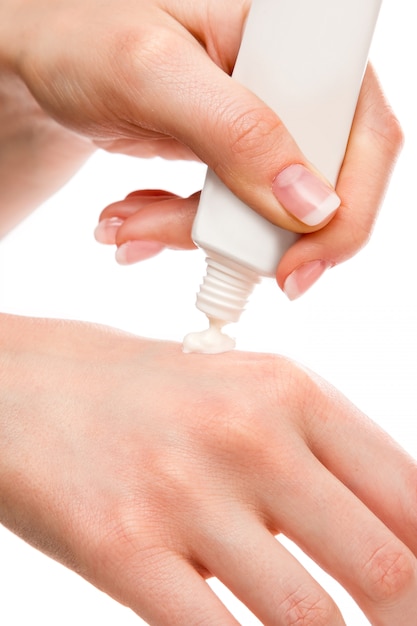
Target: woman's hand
152,77
147,471
147,221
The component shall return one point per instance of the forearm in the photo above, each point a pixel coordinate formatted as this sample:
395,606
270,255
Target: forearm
37,155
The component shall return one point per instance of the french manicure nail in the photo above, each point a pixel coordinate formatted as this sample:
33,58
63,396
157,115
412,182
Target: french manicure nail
105,231
304,195
134,251
302,278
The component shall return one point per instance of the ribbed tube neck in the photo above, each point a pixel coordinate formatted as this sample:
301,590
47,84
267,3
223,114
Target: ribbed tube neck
225,289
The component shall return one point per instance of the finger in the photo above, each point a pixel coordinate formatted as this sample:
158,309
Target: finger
165,590
367,461
264,575
113,216
328,522
168,221
144,224
140,198
373,148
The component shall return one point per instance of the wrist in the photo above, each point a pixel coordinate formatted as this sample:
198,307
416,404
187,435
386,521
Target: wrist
38,155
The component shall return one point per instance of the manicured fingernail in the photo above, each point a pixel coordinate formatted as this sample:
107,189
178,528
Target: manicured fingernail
134,251
304,195
301,279
105,231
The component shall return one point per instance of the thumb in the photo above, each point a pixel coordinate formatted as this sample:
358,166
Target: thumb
239,137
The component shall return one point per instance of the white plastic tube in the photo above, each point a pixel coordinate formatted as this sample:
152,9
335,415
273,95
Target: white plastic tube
306,60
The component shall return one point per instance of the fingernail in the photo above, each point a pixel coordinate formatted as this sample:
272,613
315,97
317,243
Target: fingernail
301,279
134,251
105,231
304,195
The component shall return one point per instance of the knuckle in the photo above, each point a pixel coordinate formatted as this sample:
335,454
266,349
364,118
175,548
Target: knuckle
156,46
307,607
138,51
381,120
386,129
242,432
234,429
390,572
252,131
174,480
393,133
120,536
121,54
297,389
114,545
357,234
281,387
241,415
126,533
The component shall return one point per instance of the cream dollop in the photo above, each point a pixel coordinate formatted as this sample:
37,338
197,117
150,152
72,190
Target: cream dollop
209,341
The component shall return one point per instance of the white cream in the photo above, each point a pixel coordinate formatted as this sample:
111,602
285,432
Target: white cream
209,341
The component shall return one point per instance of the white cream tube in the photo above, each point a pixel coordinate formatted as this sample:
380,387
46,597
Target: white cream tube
306,60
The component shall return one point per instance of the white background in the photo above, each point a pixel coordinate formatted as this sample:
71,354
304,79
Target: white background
357,326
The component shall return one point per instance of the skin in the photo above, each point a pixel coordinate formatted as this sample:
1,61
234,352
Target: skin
141,493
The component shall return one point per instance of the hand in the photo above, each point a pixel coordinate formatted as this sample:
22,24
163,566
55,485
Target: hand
142,78
146,471
147,221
